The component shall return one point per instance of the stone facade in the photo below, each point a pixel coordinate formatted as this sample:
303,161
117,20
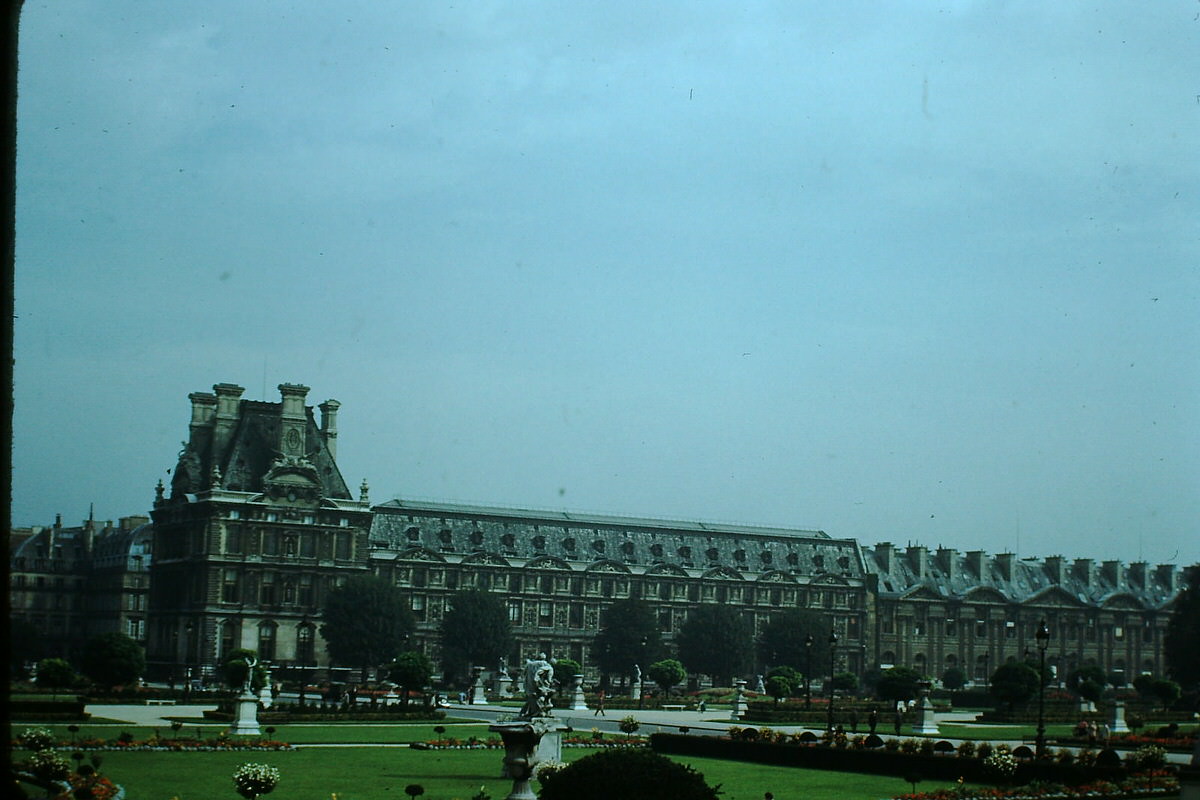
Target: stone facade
72,583
259,525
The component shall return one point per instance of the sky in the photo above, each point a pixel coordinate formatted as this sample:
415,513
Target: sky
909,272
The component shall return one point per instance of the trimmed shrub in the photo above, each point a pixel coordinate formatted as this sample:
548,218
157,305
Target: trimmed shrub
625,773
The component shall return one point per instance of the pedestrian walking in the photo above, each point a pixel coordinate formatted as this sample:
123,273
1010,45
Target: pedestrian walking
873,719
599,712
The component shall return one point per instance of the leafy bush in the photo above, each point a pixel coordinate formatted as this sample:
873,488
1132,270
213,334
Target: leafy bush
629,724
1148,756
1000,766
48,765
626,773
253,780
36,739
56,673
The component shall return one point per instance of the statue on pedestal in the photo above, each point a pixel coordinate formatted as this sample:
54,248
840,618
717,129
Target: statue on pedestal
539,688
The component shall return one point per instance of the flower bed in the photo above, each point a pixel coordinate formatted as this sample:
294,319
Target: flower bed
1154,784
495,743
165,745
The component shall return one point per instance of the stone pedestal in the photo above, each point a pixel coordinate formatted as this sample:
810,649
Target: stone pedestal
1086,706
577,701
739,700
522,740
1189,776
926,720
635,690
1116,718
245,723
476,693
502,685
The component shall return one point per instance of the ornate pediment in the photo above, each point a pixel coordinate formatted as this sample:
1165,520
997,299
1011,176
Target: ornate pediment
673,570
829,579
922,592
418,554
985,594
547,562
1055,597
724,574
488,559
1122,601
608,565
776,576
292,480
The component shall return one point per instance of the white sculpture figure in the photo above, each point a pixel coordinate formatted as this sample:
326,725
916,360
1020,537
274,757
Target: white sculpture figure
539,688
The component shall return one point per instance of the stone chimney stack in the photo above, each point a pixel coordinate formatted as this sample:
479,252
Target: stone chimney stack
329,411
1056,567
1111,570
885,555
1004,562
948,560
293,421
228,402
977,561
204,409
1139,573
1085,571
1168,576
918,559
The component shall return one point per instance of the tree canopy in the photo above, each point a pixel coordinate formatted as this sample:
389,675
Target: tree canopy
667,673
112,659
954,678
898,683
626,772
236,665
366,622
1182,643
565,669
55,673
782,641
628,635
1014,683
1087,681
410,671
475,632
716,640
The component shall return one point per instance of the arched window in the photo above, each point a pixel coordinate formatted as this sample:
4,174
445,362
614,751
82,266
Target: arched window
266,641
229,639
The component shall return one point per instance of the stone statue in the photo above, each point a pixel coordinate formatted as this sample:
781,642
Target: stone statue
503,667
637,674
539,688
247,686
760,687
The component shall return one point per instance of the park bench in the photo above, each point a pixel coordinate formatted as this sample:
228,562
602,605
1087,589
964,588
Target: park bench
159,702
672,707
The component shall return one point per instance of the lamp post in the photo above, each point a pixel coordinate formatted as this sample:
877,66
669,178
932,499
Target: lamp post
808,643
833,640
187,662
1043,641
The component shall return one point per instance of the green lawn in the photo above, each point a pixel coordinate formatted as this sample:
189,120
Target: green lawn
378,733
371,773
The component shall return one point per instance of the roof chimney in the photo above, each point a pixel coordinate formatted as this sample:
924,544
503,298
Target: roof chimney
329,411
918,559
228,401
1168,576
1111,570
1056,566
292,428
204,409
1138,575
1004,562
1085,571
948,560
977,561
885,556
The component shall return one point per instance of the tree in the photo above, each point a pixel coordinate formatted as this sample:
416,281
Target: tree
366,622
667,673
112,659
475,631
794,679
236,666
55,673
411,671
778,687
1181,646
565,669
782,640
628,635
716,640
898,683
954,678
1014,683
1087,682
845,682
625,773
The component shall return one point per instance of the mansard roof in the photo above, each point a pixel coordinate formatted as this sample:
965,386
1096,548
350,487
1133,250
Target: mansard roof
1003,578
635,543
239,448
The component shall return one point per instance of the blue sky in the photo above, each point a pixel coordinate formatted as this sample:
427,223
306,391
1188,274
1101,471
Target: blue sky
900,272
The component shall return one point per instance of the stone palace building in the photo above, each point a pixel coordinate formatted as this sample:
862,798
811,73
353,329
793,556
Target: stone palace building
258,525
